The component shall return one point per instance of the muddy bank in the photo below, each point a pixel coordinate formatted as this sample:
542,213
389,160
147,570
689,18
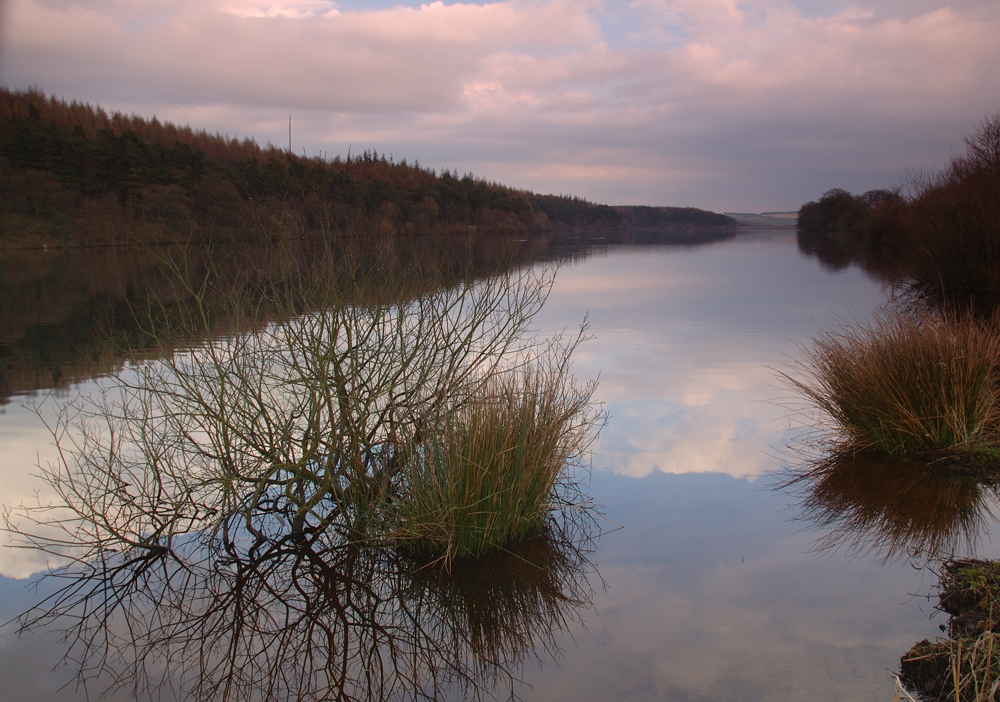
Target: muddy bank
964,665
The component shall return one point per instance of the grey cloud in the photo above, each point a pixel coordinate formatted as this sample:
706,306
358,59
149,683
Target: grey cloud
764,109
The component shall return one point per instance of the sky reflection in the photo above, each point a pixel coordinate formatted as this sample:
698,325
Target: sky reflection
686,340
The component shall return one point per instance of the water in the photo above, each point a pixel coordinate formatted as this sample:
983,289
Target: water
709,588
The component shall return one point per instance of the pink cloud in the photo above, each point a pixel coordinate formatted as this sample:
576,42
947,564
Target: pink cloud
760,100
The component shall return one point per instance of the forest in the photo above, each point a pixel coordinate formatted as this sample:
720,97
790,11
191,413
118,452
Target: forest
72,174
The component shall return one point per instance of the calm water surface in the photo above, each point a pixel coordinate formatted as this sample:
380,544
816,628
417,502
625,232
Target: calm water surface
710,589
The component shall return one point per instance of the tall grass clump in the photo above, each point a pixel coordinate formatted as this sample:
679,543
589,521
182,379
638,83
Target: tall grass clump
488,471
907,382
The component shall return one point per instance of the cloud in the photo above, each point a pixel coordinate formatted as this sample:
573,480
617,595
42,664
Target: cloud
269,55
729,104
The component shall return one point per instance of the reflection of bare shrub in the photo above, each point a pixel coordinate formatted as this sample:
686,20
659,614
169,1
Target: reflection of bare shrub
291,621
240,502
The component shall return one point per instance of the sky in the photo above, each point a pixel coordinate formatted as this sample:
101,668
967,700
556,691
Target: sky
730,105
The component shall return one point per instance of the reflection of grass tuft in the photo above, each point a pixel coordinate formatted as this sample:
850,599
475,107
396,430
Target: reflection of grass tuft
905,383
486,471
892,507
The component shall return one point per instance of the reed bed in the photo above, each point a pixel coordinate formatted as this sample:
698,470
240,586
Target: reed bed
488,471
906,383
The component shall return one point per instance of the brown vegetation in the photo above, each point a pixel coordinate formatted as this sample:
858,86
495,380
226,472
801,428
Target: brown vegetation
943,238
72,174
906,383
965,667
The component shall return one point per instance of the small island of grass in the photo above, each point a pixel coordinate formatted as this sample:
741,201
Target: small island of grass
912,384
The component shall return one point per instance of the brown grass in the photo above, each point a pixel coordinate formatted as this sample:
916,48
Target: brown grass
488,471
903,383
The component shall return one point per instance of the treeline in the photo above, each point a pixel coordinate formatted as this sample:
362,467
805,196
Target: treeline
642,216
943,236
72,174
840,212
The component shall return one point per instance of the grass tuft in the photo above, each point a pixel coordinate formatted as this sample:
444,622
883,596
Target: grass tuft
486,472
905,383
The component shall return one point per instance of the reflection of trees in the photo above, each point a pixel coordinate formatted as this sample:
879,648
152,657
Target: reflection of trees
893,507
285,620
839,251
68,314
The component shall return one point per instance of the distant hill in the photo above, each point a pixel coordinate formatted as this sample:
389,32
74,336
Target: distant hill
74,175
642,216
769,220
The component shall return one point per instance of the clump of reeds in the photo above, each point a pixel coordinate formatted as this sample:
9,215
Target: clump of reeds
486,472
907,382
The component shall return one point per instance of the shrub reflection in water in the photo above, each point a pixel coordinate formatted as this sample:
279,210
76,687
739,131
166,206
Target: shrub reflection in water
239,519
299,621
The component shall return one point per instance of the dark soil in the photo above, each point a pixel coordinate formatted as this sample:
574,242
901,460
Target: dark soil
926,669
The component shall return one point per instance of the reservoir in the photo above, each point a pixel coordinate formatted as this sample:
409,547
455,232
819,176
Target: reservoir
700,579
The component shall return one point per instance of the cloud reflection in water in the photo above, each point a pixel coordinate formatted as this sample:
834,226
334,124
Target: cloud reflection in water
686,339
